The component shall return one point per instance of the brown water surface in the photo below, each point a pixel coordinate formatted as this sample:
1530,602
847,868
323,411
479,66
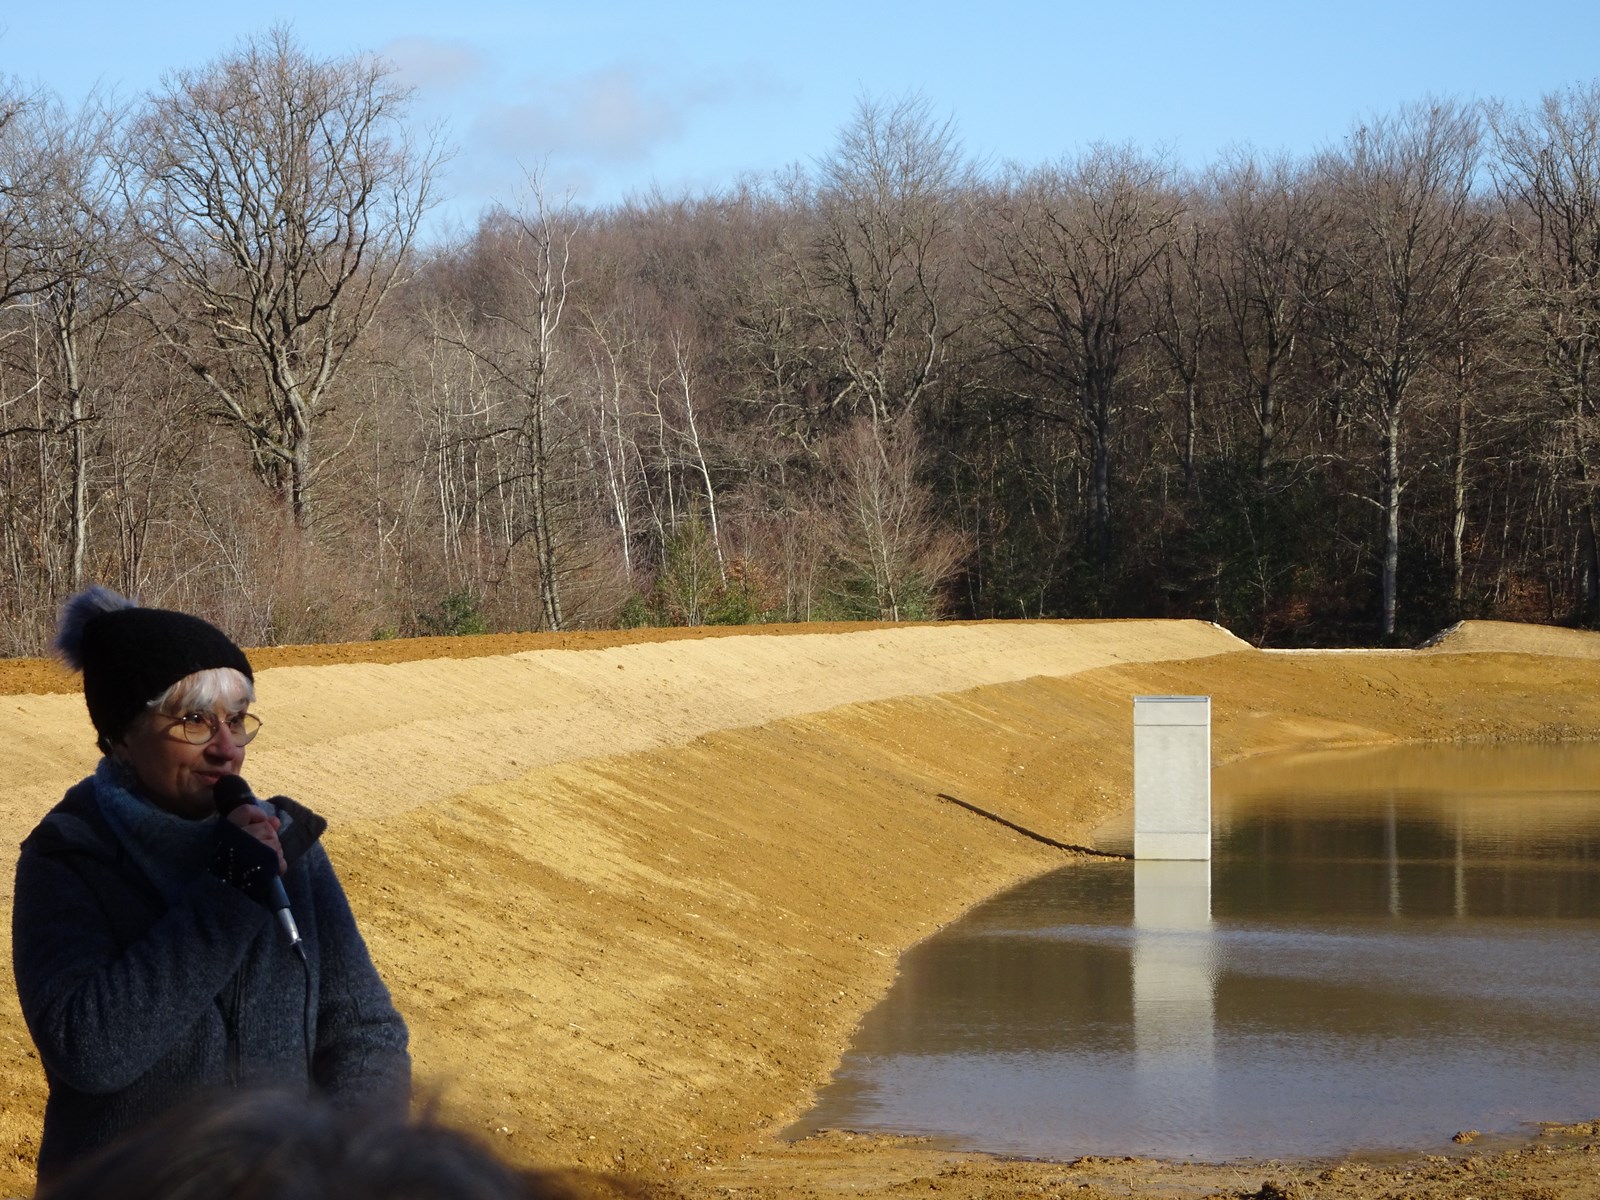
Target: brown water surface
1388,947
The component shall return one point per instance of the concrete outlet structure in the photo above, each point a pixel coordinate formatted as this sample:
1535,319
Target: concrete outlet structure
1172,777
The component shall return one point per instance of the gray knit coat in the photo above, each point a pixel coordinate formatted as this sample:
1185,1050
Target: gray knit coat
136,1005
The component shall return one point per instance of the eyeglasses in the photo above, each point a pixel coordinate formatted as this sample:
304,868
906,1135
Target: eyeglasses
198,728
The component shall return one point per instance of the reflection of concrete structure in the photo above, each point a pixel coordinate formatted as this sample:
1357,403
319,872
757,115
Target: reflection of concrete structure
1174,973
1172,777
1174,997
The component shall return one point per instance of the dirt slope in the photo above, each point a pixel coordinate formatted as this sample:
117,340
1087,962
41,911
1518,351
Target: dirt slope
1505,637
633,897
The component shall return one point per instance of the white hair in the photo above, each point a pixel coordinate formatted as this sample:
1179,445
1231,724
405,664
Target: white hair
206,691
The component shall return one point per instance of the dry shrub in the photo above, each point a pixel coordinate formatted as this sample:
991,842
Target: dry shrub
892,555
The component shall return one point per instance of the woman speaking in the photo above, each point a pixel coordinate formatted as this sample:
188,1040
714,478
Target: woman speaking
148,962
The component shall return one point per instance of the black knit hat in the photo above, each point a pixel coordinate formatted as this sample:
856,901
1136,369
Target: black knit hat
130,655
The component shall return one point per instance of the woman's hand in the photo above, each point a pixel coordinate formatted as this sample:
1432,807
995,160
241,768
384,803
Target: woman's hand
262,826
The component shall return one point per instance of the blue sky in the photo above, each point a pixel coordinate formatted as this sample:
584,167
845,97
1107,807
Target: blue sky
612,99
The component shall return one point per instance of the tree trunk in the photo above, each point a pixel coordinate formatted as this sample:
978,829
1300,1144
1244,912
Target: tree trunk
1589,565
700,462
543,526
1458,506
1391,515
300,485
78,503
1267,413
1097,406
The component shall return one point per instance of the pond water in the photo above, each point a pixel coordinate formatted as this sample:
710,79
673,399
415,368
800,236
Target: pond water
1388,947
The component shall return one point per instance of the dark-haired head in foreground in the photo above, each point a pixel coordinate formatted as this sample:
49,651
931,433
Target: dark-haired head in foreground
277,1146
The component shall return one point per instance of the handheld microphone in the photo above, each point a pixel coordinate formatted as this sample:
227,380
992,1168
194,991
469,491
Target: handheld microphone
230,792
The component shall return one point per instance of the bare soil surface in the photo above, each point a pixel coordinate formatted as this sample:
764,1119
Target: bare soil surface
633,891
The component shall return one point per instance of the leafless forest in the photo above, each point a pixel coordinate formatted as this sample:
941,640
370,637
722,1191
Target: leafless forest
1343,398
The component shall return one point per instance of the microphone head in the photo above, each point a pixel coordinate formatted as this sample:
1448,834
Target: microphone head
230,792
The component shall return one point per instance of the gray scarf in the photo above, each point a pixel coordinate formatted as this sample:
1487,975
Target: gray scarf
171,850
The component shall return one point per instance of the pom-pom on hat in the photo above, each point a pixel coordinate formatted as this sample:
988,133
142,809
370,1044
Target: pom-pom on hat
130,655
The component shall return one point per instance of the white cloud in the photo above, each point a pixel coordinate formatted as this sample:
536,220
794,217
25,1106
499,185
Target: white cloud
604,133
433,63
612,115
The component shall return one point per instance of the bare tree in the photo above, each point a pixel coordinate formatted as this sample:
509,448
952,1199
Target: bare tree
1548,176
13,184
519,341
609,344
672,390
71,242
1064,268
278,195
1271,273
1464,372
1182,296
1410,238
461,453
892,551
21,171
870,268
